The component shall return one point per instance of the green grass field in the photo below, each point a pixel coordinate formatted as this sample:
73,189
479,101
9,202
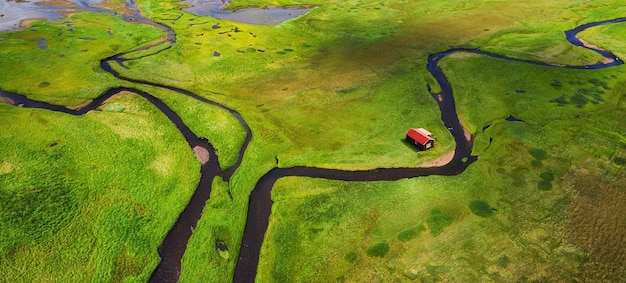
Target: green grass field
90,198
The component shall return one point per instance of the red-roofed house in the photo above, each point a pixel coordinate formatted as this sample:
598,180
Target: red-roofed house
421,138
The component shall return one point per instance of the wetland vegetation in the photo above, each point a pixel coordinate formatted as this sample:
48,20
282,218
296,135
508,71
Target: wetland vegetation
91,197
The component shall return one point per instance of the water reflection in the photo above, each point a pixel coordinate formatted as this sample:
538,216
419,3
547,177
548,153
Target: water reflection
257,16
13,12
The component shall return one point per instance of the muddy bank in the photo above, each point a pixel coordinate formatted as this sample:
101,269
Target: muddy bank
20,14
13,13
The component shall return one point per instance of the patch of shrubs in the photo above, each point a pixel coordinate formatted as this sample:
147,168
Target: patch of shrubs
410,234
481,208
350,257
556,84
538,154
544,185
378,250
548,176
437,221
536,163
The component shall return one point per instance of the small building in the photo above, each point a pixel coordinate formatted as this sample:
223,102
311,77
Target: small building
421,138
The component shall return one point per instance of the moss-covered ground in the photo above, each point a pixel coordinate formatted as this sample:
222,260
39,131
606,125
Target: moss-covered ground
89,198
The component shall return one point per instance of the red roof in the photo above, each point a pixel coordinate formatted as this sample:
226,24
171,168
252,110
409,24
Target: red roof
418,136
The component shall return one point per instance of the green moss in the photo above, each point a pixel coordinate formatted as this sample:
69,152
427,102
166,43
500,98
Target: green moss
378,250
538,154
481,208
411,234
544,185
350,257
438,221
547,176
504,261
556,84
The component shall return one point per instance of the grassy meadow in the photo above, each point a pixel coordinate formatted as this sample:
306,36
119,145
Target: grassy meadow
68,71
523,211
90,198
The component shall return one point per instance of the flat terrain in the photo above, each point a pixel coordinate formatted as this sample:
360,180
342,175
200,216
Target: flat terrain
91,197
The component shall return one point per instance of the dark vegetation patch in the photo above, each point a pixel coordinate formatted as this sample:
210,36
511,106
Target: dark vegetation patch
350,257
44,84
538,154
536,163
544,185
504,261
347,90
481,208
556,84
37,206
561,100
437,221
548,176
583,95
378,250
619,160
555,170
410,234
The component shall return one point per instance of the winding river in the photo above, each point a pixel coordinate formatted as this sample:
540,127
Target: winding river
260,202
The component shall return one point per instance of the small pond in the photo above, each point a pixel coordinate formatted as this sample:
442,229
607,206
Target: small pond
256,16
13,12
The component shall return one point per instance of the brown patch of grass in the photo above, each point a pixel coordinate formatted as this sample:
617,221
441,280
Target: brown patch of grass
56,3
28,23
596,224
117,8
